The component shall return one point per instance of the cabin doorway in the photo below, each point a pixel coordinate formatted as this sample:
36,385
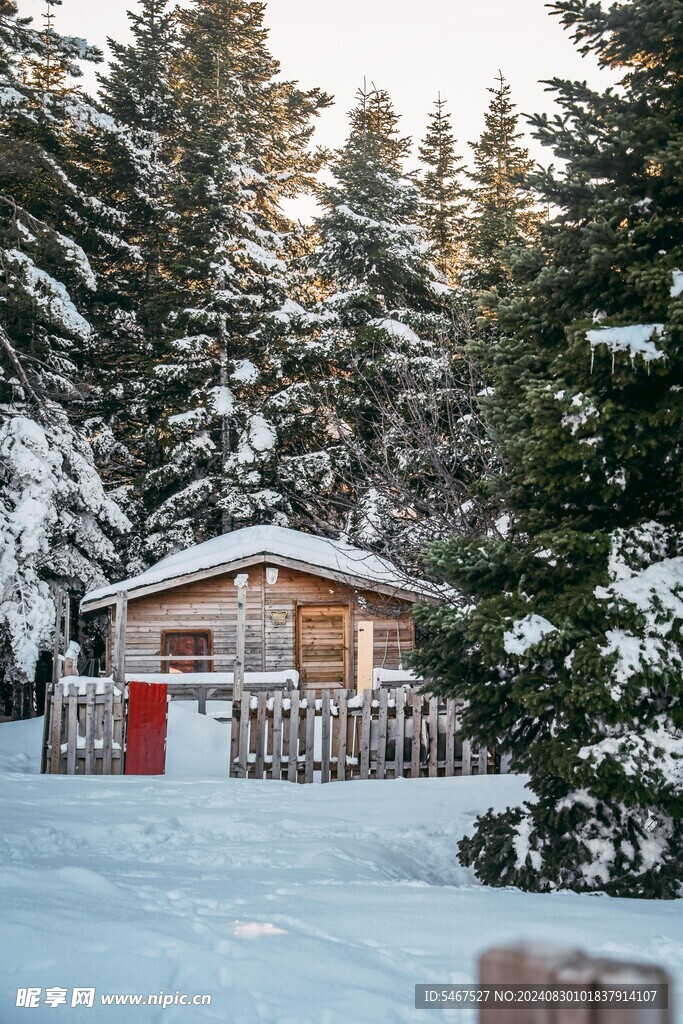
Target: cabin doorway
322,646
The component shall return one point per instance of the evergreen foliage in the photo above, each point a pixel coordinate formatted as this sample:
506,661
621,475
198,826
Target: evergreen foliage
242,147
568,641
386,312
503,215
134,171
443,199
56,523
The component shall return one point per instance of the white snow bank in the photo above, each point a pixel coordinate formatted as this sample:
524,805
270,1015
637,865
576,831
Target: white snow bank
336,556
526,633
637,340
257,892
677,286
195,744
20,746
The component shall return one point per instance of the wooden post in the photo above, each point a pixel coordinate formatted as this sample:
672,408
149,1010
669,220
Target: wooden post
238,733
55,726
241,582
56,666
67,622
56,675
119,659
366,659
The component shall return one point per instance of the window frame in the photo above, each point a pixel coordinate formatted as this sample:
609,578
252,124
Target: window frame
204,666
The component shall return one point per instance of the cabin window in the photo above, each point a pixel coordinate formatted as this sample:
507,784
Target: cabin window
187,651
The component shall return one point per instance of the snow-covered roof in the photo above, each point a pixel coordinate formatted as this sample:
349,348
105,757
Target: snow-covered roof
334,559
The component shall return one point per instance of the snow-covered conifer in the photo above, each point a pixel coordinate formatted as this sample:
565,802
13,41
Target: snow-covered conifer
56,521
568,645
243,147
384,322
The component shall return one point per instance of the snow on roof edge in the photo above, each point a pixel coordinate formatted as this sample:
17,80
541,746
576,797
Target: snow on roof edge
311,551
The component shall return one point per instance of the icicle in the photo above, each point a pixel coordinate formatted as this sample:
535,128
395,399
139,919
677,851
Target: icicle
614,355
592,359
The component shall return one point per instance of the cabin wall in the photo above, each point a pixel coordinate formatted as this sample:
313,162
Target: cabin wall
270,643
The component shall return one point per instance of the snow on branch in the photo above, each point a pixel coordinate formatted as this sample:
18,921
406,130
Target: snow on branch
637,340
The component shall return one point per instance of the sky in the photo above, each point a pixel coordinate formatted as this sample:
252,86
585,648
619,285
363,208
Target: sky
413,48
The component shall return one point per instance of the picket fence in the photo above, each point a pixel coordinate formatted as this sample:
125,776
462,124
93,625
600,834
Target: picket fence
282,734
341,735
84,730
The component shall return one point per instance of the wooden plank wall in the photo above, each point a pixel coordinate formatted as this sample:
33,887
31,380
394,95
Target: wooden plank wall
270,645
340,736
86,730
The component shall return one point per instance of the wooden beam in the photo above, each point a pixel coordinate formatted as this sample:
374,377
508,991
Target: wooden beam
119,658
56,666
67,622
366,654
56,672
241,582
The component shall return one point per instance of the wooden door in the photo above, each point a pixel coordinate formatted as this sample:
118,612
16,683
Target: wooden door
322,645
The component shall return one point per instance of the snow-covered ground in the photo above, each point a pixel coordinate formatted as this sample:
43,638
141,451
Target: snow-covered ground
287,904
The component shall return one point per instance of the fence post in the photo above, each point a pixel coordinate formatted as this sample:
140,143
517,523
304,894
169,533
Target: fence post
56,666
241,582
56,674
366,641
119,666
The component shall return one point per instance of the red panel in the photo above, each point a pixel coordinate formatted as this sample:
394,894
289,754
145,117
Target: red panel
146,745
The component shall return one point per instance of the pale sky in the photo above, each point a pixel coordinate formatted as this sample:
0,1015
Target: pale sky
413,48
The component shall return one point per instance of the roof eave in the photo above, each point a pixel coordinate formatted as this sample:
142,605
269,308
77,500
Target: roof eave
398,592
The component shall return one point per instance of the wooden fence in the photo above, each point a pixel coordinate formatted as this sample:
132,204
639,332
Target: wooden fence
84,730
281,734
385,734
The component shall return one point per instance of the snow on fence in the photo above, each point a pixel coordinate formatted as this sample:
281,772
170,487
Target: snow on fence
281,734
392,733
84,728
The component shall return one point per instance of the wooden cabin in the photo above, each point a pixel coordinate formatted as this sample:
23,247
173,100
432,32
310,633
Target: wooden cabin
329,610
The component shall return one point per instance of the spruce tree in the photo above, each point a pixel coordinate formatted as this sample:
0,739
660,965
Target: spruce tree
503,213
568,643
242,148
56,522
443,200
134,172
385,315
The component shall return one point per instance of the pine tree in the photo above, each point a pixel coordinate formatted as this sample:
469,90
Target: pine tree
134,172
442,196
385,313
503,215
568,645
242,148
55,519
